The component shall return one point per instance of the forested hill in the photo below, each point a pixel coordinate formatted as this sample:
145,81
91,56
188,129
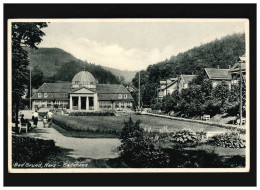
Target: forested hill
221,52
58,65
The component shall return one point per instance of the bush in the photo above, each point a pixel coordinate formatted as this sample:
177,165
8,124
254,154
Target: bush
228,140
103,113
233,110
138,150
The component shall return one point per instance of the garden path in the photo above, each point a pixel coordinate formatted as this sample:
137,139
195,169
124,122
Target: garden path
95,148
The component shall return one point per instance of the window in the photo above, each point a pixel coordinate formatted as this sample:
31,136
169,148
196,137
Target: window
39,95
91,103
120,96
185,85
125,96
45,95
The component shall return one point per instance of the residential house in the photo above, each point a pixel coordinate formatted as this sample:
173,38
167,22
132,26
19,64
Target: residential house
235,70
184,80
217,75
167,87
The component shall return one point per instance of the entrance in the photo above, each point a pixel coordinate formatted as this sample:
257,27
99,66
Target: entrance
83,103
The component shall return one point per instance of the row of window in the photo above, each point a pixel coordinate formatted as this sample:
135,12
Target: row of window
120,96
44,94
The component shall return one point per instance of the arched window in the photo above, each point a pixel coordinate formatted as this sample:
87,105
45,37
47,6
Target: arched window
125,96
45,95
39,95
120,96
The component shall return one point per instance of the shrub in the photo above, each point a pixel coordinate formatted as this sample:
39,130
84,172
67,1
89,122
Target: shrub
103,113
65,123
228,140
138,149
25,149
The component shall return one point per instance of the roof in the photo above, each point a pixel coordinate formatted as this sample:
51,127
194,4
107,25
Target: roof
188,78
243,58
55,87
221,74
111,88
114,97
236,67
84,77
60,91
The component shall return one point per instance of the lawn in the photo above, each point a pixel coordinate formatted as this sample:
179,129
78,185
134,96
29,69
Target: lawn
116,123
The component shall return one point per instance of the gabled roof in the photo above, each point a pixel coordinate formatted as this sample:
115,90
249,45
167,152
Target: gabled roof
236,67
114,97
83,87
221,74
55,87
188,78
111,88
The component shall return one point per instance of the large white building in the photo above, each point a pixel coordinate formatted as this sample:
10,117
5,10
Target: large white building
83,94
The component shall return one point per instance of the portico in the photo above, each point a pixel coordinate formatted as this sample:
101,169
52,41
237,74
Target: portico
83,99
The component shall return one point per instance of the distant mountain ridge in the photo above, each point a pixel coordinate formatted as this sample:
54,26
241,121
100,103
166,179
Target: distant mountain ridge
128,75
51,60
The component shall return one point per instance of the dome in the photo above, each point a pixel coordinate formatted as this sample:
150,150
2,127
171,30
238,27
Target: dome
83,78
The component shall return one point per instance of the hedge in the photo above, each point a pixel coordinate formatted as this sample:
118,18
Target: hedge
106,113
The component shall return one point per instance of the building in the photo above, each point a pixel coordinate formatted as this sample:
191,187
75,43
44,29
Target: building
83,94
217,75
235,70
167,87
184,80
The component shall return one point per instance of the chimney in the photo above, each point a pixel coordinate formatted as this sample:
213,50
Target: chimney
218,66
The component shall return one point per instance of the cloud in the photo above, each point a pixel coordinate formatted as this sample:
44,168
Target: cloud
113,55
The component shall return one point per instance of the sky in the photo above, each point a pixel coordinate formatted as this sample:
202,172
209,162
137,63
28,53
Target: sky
129,45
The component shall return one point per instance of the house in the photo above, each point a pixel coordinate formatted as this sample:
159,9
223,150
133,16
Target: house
217,75
83,94
167,87
235,70
184,80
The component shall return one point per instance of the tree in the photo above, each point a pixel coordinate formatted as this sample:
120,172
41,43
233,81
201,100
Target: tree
221,93
37,77
23,35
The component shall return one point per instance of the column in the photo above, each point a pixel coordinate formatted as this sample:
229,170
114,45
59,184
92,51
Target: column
71,103
79,103
87,106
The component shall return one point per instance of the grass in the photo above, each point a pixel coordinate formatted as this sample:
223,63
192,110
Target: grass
116,123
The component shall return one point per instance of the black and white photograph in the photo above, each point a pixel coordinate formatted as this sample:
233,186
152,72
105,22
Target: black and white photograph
109,95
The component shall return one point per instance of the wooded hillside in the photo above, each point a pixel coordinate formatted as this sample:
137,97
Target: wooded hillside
221,52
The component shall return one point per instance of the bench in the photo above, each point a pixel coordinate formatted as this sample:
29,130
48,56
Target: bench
205,117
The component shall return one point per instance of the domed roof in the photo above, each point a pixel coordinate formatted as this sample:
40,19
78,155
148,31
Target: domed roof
84,78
